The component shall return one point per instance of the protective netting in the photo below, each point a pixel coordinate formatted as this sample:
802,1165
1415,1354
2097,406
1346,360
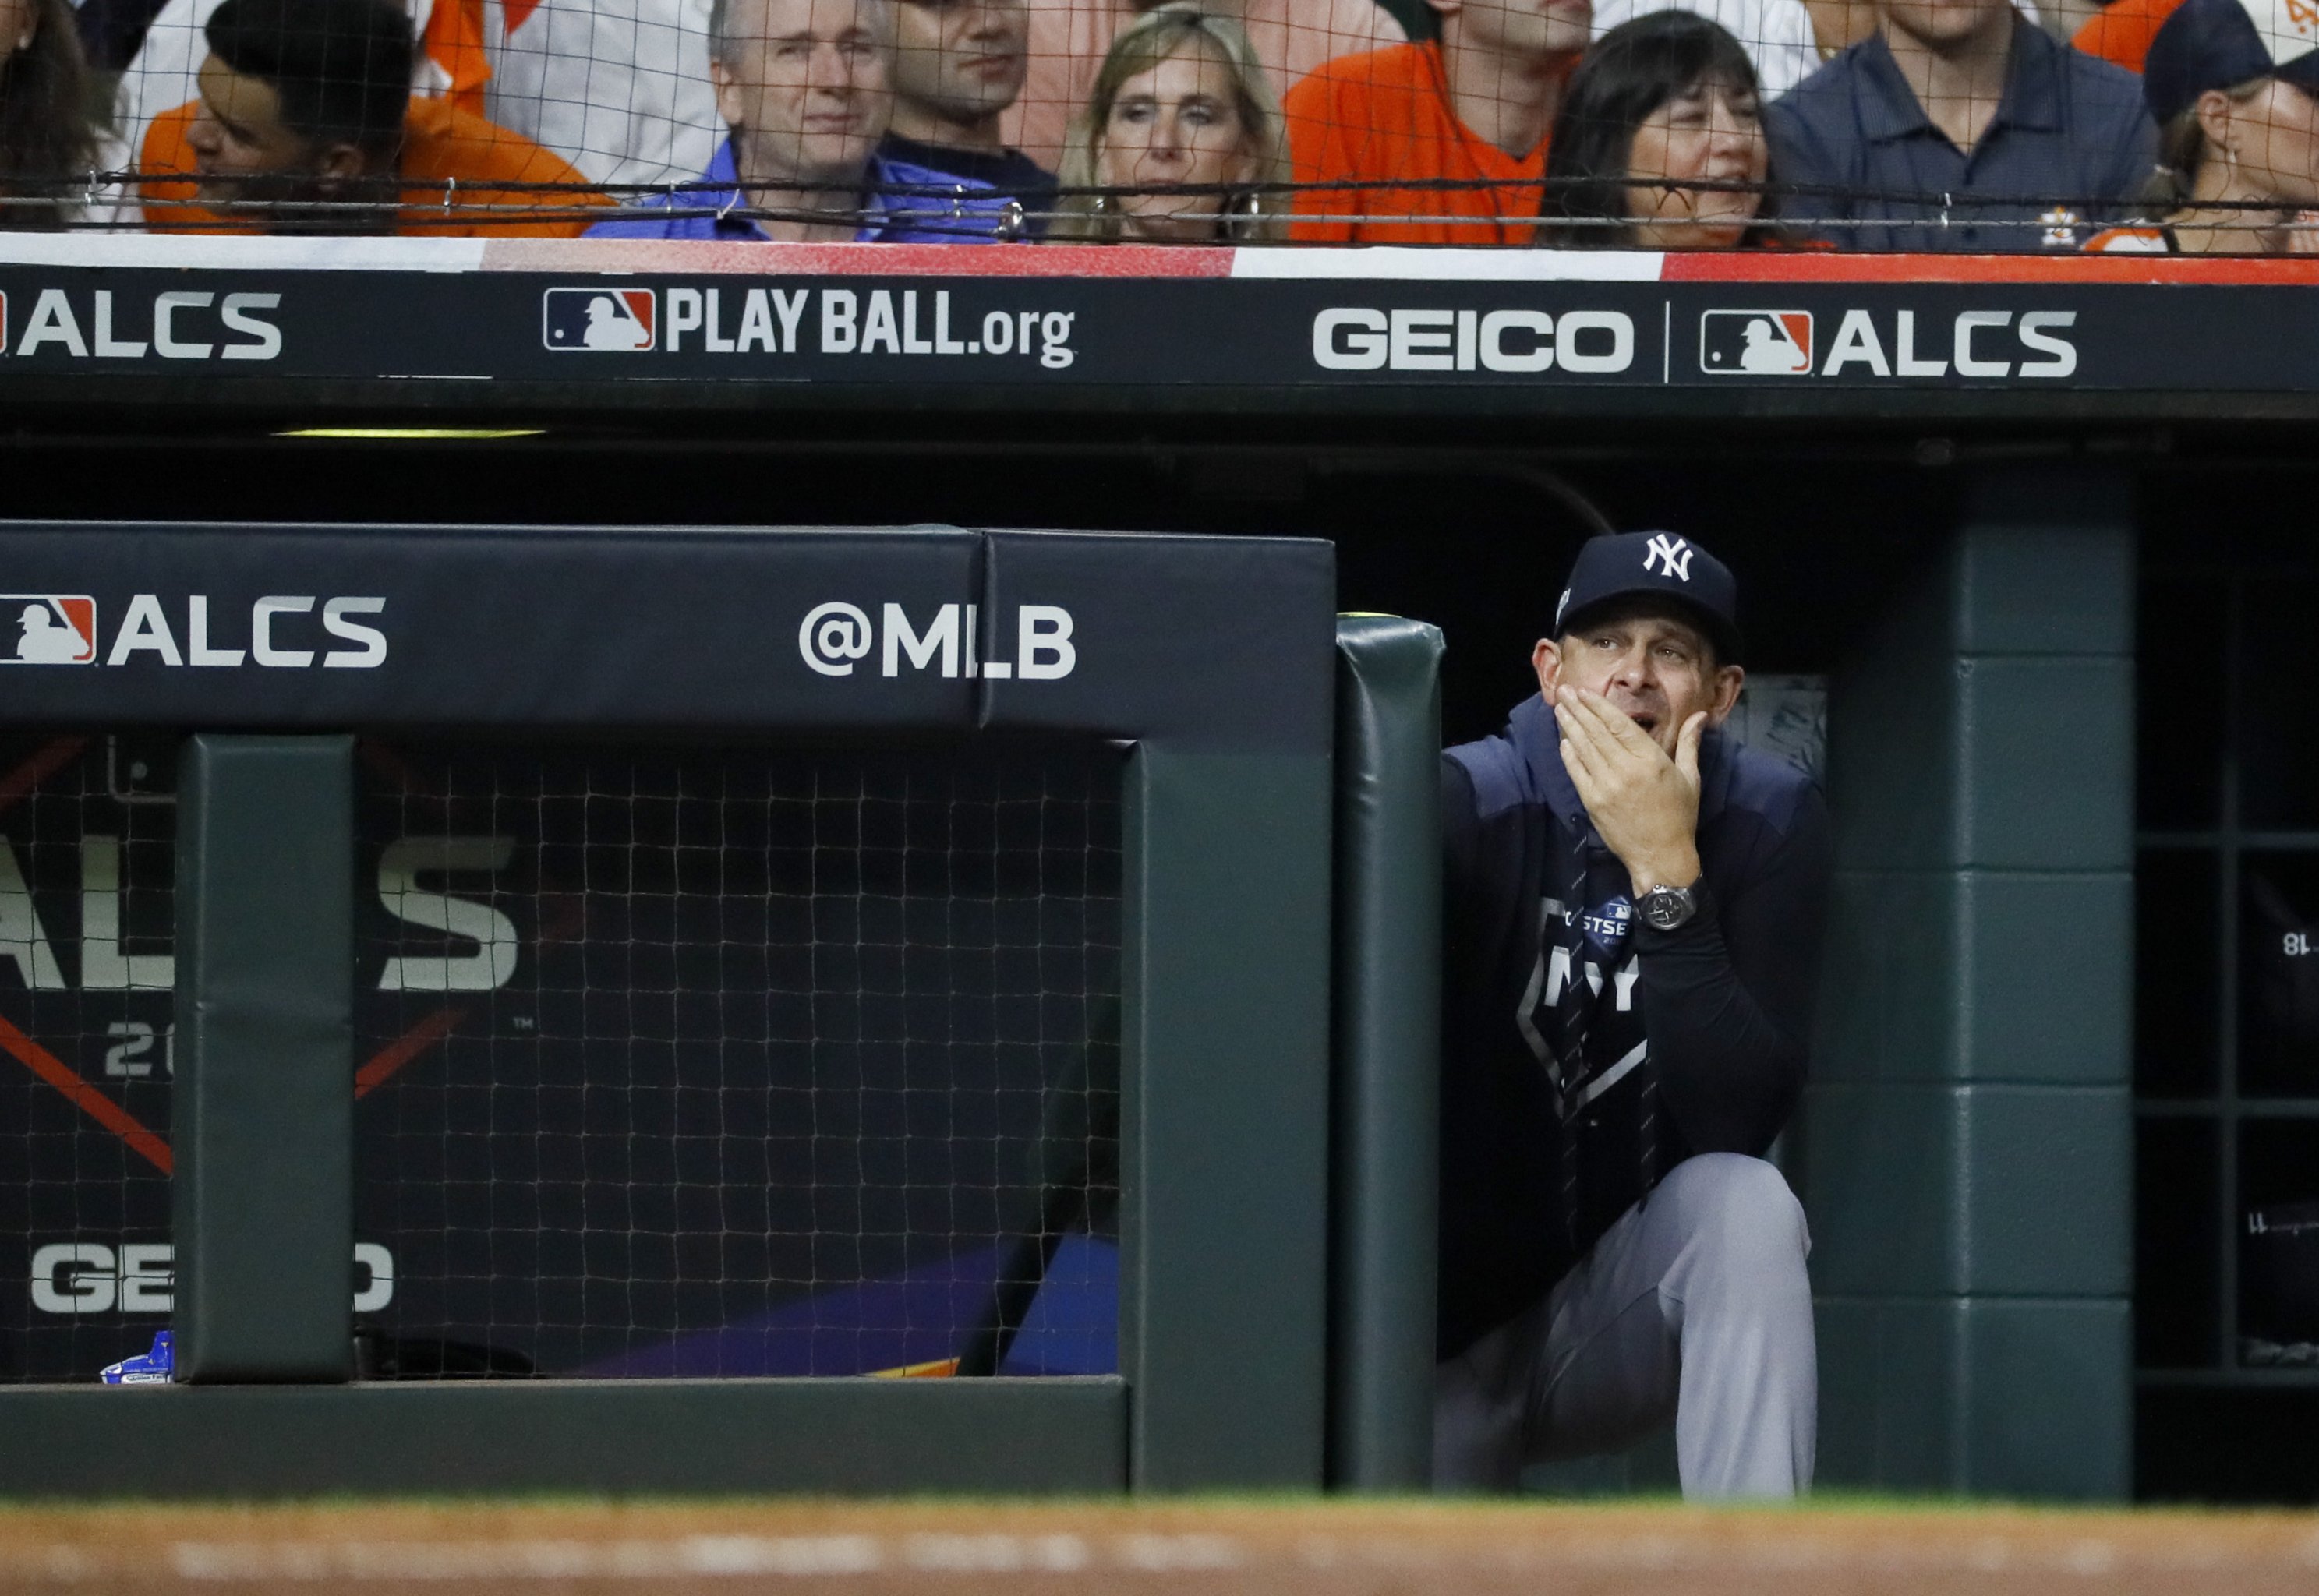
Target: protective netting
86,926
738,1061
670,1061
1915,124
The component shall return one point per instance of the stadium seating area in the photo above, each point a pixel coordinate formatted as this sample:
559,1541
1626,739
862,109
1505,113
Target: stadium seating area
1976,125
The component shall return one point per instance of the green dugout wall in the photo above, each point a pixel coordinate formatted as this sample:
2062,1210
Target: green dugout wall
1962,1152
1966,1142
1212,660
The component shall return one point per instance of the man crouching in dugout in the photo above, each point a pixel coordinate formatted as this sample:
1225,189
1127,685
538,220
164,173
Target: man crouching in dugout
1634,904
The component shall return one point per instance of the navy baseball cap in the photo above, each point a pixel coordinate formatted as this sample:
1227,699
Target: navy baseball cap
2220,44
1658,565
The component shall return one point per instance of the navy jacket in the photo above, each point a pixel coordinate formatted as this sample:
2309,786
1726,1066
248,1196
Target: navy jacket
1726,1004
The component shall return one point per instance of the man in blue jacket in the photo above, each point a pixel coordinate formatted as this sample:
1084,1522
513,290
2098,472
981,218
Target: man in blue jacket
806,86
1634,906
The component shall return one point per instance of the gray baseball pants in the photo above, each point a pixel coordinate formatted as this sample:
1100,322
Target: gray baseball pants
1694,1307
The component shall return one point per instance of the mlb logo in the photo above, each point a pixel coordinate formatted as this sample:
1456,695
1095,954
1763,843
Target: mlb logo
615,318
4,324
48,629
1755,343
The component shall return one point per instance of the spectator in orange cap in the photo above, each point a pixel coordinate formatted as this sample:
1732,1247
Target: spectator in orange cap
1475,107
2235,88
305,105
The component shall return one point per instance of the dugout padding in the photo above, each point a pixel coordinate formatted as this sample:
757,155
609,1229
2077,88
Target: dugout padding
1208,660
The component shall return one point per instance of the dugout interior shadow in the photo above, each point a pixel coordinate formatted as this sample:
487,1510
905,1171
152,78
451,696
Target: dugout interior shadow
2227,1024
1477,541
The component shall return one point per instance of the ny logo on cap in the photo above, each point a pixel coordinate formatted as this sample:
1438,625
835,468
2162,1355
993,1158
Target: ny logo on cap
1673,555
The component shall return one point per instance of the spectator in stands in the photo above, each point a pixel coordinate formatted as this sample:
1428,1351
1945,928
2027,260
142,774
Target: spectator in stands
1070,39
1960,125
1788,39
2236,96
1475,106
617,87
307,103
1667,98
805,88
1779,36
1181,102
45,128
958,67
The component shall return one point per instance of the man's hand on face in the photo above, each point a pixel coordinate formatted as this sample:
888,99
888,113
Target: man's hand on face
1645,804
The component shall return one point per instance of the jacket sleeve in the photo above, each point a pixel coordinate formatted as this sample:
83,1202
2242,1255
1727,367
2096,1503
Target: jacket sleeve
1459,829
1728,999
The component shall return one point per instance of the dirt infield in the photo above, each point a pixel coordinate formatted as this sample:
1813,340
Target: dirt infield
1174,1549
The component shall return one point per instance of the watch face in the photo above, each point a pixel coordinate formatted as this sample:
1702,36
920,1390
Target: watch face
1666,908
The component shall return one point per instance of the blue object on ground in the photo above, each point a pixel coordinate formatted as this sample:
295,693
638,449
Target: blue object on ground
157,1367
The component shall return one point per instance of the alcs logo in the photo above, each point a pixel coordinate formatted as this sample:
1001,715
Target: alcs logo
1978,345
60,629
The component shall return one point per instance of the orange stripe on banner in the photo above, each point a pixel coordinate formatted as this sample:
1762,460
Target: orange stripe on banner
51,758
91,1102
2026,271
940,1370
412,1043
704,257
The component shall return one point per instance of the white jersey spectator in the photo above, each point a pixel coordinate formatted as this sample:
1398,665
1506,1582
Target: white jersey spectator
617,87
1776,34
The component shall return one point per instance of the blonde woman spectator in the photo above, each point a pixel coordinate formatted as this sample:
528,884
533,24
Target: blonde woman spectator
1181,102
1069,38
2235,86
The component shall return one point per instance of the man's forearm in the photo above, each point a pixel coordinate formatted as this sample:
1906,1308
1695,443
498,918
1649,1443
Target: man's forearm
1728,1073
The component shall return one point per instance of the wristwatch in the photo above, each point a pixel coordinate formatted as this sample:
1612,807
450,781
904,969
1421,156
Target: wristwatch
1667,908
